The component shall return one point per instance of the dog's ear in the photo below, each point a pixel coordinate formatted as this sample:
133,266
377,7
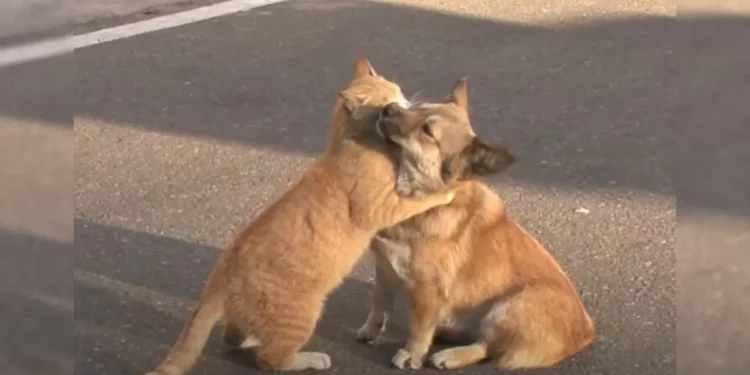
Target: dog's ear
478,159
362,67
460,94
484,159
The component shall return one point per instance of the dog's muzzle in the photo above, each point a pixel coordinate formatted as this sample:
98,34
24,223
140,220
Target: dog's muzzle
380,126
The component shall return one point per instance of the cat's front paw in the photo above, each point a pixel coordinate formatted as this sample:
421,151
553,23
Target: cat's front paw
449,197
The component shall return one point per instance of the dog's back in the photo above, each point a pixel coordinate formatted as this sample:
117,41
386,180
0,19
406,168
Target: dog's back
538,319
471,271
499,285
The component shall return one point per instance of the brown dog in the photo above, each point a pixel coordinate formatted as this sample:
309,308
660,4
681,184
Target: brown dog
474,276
271,282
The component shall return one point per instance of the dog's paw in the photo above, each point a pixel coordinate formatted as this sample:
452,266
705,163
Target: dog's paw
369,334
405,360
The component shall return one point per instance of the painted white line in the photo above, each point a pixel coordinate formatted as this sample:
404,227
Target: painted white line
58,46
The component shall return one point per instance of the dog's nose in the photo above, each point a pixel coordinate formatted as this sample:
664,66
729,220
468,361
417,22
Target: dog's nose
391,109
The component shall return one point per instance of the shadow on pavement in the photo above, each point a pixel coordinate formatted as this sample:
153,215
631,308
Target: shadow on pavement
584,105
36,305
40,90
117,307
134,291
589,106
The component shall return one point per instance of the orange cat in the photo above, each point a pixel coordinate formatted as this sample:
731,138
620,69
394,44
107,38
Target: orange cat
271,282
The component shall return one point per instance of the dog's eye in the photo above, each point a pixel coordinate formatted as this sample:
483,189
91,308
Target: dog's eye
426,129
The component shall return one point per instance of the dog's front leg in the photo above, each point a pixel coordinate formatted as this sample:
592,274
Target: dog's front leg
382,301
424,317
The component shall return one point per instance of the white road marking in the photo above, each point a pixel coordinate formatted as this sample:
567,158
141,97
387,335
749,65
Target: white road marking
59,46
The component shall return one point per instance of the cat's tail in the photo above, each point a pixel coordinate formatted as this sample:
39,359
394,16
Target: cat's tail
193,337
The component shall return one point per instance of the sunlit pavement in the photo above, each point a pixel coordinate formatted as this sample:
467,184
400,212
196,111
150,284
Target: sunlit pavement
182,135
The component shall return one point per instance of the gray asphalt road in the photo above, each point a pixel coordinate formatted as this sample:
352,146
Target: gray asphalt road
182,135
24,21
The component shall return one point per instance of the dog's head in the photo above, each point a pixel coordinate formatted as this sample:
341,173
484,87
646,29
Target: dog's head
438,145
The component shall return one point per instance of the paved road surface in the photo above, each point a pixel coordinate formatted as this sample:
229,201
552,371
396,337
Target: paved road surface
23,21
181,135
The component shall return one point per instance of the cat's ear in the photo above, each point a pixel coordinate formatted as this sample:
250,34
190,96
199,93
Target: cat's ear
362,68
349,103
352,103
